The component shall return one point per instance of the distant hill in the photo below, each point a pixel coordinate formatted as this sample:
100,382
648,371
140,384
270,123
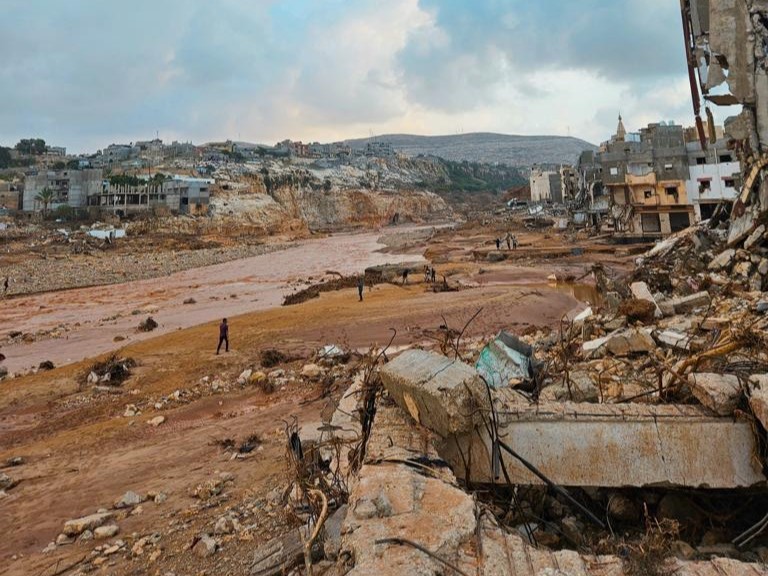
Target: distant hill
487,147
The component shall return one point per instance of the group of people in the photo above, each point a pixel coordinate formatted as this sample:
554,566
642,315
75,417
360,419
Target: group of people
509,239
429,274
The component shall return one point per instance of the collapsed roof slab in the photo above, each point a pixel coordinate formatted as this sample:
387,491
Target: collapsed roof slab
614,446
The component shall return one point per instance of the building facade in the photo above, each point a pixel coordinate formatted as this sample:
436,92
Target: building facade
546,186
713,179
49,189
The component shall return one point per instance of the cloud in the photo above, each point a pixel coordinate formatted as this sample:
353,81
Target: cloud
87,72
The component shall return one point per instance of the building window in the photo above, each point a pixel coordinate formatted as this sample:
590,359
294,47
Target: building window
679,221
614,171
728,182
668,167
648,194
725,158
651,223
705,185
701,160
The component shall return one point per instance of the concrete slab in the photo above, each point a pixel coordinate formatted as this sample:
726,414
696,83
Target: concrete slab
641,291
615,446
437,391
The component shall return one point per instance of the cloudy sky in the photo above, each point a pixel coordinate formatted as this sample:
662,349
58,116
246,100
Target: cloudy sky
85,73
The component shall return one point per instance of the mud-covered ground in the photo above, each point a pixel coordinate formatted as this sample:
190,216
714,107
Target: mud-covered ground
84,447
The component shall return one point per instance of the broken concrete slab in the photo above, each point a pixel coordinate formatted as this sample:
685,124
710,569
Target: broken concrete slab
641,291
755,237
630,342
77,526
722,260
436,514
673,339
686,304
718,392
591,444
436,391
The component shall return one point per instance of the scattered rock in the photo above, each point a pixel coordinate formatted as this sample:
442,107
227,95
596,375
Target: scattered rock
244,377
130,411
623,508
190,301
63,540
312,371
90,522
690,303
224,525
205,546
156,421
630,342
104,532
128,500
6,482
722,260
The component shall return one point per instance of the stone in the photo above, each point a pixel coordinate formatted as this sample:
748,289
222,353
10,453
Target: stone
160,497
80,525
6,482
630,342
244,377
678,507
63,540
718,392
205,546
438,392
762,306
755,282
616,323
156,421
128,500
86,536
114,549
312,371
50,548
131,411
583,389
762,268
688,303
257,377
573,530
623,508
107,531
495,256
332,542
755,237
224,525
667,308
742,269
722,260
682,550
275,374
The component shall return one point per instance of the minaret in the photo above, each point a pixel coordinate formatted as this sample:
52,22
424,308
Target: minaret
621,132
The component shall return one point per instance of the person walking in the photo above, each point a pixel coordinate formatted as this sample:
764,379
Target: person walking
508,238
360,286
433,274
498,243
405,276
223,336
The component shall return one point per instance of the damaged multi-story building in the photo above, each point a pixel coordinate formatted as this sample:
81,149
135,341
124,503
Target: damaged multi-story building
122,195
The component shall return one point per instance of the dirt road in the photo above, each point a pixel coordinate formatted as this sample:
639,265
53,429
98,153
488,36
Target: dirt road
88,320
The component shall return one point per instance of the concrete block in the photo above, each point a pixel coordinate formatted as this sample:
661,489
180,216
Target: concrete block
718,392
758,397
691,302
673,339
641,291
616,445
436,391
722,260
630,342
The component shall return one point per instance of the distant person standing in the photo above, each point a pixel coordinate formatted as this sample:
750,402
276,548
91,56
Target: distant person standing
5,286
223,336
433,274
498,243
514,242
360,286
508,238
405,276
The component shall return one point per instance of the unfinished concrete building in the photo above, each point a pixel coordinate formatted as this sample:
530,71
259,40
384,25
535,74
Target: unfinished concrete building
714,173
51,189
179,194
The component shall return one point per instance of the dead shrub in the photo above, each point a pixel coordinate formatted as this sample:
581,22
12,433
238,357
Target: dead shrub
637,310
648,556
272,357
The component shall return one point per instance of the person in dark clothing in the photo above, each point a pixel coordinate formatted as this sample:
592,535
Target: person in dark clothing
360,286
405,276
433,274
223,336
498,243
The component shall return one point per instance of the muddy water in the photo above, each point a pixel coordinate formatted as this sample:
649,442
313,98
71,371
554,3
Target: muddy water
96,316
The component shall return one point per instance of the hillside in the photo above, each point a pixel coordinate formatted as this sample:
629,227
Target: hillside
487,147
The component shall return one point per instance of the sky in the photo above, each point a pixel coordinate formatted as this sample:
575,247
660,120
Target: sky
87,73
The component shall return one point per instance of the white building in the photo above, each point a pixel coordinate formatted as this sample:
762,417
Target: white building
67,187
713,177
545,186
